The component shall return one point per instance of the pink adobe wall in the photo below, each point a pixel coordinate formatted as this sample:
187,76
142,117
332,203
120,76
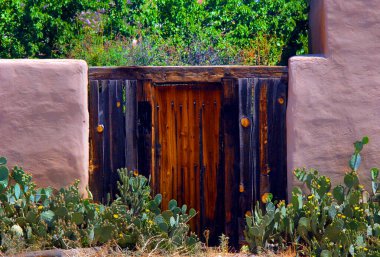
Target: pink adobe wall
334,97
44,119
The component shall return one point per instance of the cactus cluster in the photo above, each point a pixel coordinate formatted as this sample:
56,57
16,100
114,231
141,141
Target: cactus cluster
64,219
323,221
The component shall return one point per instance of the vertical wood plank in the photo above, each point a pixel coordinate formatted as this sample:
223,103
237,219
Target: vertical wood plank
96,153
104,119
230,160
145,129
130,125
246,144
255,142
263,135
116,132
277,100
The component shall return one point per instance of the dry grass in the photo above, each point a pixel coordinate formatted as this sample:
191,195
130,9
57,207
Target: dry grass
114,251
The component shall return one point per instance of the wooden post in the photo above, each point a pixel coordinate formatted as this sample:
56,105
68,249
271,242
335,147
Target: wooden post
230,160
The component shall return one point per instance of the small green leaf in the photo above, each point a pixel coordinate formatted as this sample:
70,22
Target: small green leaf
103,234
351,180
77,218
355,161
184,209
192,212
47,216
365,140
17,191
172,204
31,217
158,199
61,211
172,221
374,173
326,253
167,215
159,219
163,227
4,176
358,146
338,193
3,161
351,250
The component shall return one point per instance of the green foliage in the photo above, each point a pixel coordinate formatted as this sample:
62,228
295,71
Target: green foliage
158,32
325,221
64,219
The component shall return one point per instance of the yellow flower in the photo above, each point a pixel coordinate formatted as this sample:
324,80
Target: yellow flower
40,207
310,197
339,215
340,246
365,249
356,208
343,217
327,180
361,186
329,194
116,216
281,203
135,173
266,197
150,222
120,235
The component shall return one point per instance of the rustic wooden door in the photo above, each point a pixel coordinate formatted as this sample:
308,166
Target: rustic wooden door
215,146
187,140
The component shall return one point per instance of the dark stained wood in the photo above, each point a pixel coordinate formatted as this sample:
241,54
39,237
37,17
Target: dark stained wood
230,158
96,157
186,74
277,100
255,143
104,120
116,132
144,123
107,147
130,125
247,140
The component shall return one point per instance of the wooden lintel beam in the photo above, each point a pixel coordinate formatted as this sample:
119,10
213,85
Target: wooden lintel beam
186,74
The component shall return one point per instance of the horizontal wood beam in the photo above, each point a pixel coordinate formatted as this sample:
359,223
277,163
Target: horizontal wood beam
187,74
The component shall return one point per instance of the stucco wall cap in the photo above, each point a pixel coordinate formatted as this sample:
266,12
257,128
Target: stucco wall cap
42,61
307,59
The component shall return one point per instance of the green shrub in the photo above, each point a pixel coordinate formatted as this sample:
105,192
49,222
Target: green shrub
339,221
33,217
180,32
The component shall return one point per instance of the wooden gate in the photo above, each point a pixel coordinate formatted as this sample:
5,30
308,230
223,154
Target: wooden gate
210,137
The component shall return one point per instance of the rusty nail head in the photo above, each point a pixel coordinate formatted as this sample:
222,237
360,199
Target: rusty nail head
245,122
241,188
281,100
100,128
